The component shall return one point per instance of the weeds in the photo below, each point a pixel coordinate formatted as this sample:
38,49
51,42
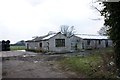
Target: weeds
100,64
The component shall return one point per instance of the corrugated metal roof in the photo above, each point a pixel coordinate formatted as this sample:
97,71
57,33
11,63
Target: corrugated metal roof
41,38
37,39
92,36
83,36
48,36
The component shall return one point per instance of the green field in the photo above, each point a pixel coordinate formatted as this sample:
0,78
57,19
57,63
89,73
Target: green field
17,48
96,65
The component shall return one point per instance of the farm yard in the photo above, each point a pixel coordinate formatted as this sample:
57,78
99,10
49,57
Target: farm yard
88,64
32,65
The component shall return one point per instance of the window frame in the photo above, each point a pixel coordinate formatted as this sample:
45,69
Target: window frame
59,42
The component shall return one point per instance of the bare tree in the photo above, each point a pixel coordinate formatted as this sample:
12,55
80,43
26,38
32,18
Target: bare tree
51,32
103,31
67,30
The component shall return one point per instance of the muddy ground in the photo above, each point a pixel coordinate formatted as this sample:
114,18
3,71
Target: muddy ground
31,65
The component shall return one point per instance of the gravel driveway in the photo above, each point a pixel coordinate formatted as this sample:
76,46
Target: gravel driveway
19,64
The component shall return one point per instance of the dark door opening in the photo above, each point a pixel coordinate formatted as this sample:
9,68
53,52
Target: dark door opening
40,45
27,46
106,43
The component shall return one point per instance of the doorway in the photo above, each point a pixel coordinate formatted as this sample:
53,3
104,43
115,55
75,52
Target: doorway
106,43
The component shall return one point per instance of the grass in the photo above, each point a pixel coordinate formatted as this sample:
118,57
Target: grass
95,65
17,48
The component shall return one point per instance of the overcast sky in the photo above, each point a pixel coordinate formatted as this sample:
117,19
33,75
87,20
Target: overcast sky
23,19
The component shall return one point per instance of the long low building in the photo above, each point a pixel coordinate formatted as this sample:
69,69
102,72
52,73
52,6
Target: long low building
95,41
58,42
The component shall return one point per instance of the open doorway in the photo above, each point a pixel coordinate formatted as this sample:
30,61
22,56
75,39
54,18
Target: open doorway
106,43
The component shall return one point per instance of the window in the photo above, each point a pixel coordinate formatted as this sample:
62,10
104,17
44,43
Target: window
88,42
40,45
60,42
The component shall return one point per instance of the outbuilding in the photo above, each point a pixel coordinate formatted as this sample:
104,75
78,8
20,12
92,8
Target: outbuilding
95,41
58,42
55,43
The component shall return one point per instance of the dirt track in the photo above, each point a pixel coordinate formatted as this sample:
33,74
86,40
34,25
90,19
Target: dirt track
31,65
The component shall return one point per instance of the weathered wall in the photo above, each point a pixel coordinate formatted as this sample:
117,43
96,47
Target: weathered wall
95,44
110,43
72,44
45,45
32,45
52,45
76,43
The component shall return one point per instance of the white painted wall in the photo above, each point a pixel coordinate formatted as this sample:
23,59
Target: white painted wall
32,45
49,45
75,41
45,45
52,45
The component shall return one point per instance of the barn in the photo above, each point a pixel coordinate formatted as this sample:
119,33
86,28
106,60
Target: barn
59,43
55,43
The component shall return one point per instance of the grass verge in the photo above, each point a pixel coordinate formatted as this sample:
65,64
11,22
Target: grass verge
100,64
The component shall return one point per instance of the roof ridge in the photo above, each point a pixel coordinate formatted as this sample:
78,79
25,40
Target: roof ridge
90,34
